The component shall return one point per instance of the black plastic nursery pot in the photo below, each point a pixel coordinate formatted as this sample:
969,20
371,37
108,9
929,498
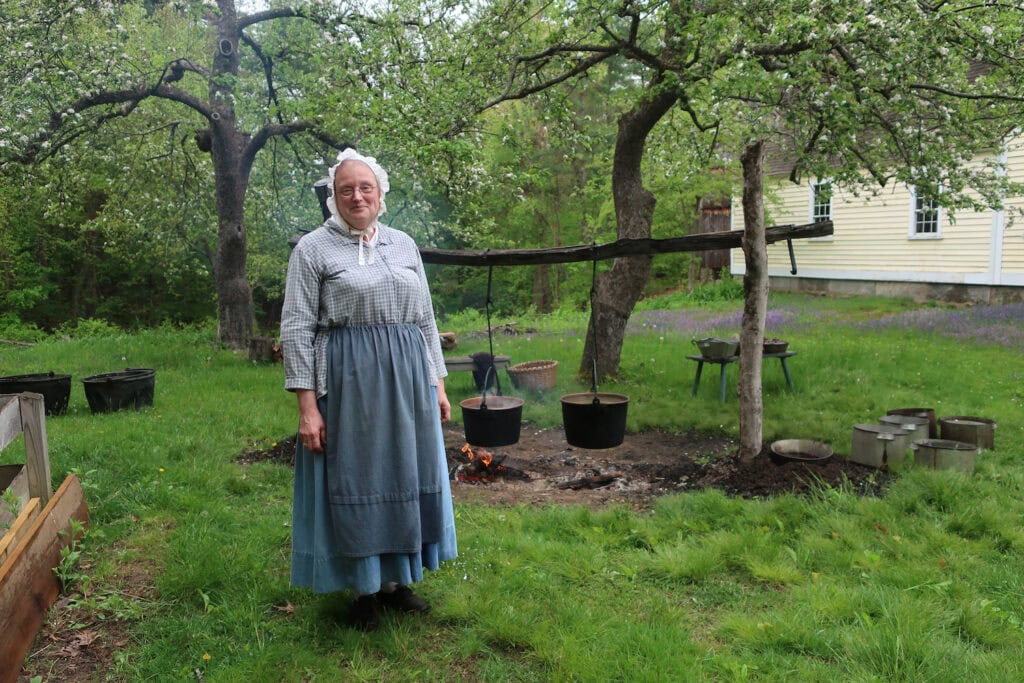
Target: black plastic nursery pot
112,391
55,389
492,420
594,420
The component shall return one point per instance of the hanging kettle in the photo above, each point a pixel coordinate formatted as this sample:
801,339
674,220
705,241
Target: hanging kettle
492,421
594,419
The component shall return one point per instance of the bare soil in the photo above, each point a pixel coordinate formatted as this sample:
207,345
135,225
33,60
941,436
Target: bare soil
542,469
79,639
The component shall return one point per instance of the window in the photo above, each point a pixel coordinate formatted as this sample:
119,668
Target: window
821,202
926,216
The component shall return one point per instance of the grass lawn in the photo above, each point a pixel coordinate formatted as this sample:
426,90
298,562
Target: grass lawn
184,573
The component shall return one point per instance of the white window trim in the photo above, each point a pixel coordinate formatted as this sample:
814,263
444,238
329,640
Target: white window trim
811,202
912,232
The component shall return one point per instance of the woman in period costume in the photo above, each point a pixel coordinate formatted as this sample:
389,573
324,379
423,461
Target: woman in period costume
372,502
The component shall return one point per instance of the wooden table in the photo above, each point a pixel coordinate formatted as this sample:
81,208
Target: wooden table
724,363
465,363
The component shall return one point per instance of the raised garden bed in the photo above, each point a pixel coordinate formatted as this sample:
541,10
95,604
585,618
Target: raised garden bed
31,543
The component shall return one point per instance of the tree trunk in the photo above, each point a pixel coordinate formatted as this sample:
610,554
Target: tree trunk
755,302
542,294
234,295
617,290
542,289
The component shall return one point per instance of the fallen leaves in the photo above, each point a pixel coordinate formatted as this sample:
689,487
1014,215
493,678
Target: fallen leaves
78,642
286,608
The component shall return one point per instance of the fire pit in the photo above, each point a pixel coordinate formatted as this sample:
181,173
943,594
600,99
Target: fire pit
481,466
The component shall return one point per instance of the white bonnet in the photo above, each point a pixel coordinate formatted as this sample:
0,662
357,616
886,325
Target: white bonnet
378,171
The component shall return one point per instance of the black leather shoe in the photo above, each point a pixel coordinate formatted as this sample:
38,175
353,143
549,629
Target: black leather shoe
403,600
365,613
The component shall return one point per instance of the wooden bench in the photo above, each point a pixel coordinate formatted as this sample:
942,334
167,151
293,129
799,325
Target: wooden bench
724,362
465,363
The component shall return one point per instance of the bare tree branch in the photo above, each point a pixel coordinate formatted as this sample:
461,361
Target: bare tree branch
34,151
581,67
264,134
129,97
997,97
329,140
695,118
248,20
167,92
259,140
178,67
268,70
629,45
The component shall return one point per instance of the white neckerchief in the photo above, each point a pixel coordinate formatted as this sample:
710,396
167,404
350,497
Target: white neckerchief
370,242
359,234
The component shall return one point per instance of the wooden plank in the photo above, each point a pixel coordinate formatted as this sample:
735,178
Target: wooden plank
37,451
28,586
18,529
10,419
460,363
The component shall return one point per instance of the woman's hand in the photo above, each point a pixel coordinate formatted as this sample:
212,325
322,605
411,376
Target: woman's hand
312,429
442,402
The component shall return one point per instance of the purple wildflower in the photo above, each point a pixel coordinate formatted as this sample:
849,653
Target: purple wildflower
1002,324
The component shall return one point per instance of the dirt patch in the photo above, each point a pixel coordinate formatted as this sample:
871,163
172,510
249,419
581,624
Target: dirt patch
86,628
542,469
73,646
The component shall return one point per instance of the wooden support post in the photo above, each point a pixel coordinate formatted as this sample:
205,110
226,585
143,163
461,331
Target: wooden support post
37,452
10,419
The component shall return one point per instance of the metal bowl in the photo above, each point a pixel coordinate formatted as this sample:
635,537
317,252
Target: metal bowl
714,347
801,450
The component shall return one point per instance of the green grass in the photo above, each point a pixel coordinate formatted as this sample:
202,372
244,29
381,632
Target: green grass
923,584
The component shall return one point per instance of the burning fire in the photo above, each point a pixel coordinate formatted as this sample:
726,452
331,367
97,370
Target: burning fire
483,466
484,456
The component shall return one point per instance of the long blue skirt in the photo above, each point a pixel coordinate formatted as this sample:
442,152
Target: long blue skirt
376,506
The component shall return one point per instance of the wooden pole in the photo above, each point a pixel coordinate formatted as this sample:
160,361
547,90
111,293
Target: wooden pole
623,247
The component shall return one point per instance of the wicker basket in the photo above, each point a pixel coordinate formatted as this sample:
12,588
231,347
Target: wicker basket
534,375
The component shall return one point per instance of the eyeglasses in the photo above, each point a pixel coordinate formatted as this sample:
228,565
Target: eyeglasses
350,192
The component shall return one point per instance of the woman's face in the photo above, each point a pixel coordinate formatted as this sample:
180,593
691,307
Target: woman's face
356,193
